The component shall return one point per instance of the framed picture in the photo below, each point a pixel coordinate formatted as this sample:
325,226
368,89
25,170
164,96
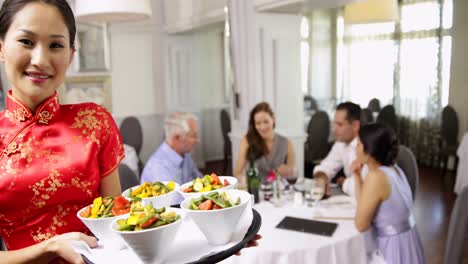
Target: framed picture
80,89
92,48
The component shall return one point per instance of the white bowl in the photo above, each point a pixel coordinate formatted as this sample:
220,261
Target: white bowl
232,185
100,227
151,244
164,200
218,225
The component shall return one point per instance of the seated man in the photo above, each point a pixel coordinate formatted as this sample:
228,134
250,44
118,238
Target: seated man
346,128
172,160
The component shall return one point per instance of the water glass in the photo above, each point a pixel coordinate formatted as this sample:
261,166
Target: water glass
315,192
266,191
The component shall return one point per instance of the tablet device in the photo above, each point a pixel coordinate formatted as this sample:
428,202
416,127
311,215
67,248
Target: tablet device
308,226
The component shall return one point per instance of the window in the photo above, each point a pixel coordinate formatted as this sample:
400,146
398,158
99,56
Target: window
304,31
405,63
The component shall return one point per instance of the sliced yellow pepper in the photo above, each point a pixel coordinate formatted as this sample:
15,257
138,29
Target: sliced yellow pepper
138,189
206,188
96,206
133,220
171,185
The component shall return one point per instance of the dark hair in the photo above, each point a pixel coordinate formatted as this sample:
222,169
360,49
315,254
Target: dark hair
11,7
380,142
257,146
353,111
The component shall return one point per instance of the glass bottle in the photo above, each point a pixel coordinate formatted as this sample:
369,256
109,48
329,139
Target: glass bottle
277,186
253,180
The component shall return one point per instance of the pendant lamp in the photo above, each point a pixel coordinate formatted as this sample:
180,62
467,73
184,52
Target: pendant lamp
371,11
108,11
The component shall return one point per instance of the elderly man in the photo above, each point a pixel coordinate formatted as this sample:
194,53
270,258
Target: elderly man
172,160
346,129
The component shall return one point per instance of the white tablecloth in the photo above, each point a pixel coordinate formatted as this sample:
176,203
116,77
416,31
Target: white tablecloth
462,171
346,245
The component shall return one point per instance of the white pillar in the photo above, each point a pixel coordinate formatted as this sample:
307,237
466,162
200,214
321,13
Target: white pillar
458,91
266,55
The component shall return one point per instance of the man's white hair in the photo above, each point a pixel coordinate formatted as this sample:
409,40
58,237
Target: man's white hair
176,123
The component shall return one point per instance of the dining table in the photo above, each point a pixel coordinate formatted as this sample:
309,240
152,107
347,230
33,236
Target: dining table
278,246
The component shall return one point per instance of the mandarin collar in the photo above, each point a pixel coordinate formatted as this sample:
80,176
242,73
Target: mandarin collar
45,112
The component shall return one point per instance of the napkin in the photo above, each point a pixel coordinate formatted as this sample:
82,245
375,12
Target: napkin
340,206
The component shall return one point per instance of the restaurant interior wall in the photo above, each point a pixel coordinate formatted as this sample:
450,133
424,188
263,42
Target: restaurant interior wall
140,78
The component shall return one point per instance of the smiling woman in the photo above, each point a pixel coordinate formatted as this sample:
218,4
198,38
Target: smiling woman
270,150
54,159
35,74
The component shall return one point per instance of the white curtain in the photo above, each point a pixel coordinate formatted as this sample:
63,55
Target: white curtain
406,64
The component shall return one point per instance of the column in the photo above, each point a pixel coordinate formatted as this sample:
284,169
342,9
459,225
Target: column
266,58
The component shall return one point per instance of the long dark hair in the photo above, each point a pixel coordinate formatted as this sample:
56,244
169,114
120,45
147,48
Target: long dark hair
257,145
380,142
11,7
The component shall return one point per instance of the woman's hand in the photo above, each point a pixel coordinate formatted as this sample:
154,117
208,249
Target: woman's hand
356,168
284,170
60,246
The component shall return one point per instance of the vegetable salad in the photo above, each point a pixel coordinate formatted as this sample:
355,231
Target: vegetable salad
152,189
106,207
206,184
213,201
147,217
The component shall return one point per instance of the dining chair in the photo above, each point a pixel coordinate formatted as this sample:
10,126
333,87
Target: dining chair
374,105
388,116
448,143
366,116
316,146
225,129
127,177
458,230
310,104
132,135
407,162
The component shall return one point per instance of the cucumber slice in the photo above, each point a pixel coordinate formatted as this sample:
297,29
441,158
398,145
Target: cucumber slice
197,186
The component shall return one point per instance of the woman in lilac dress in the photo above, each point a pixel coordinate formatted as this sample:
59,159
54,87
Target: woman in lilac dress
384,198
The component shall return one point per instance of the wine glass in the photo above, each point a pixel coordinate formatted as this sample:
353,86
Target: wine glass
316,191
291,177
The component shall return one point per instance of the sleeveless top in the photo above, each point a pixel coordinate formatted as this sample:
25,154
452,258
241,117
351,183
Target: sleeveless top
397,238
277,156
394,214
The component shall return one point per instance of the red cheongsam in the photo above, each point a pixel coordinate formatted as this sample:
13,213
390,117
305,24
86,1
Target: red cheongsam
51,165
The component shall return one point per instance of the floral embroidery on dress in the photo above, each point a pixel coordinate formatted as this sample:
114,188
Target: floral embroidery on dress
68,157
89,124
58,221
20,114
46,187
13,147
44,117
